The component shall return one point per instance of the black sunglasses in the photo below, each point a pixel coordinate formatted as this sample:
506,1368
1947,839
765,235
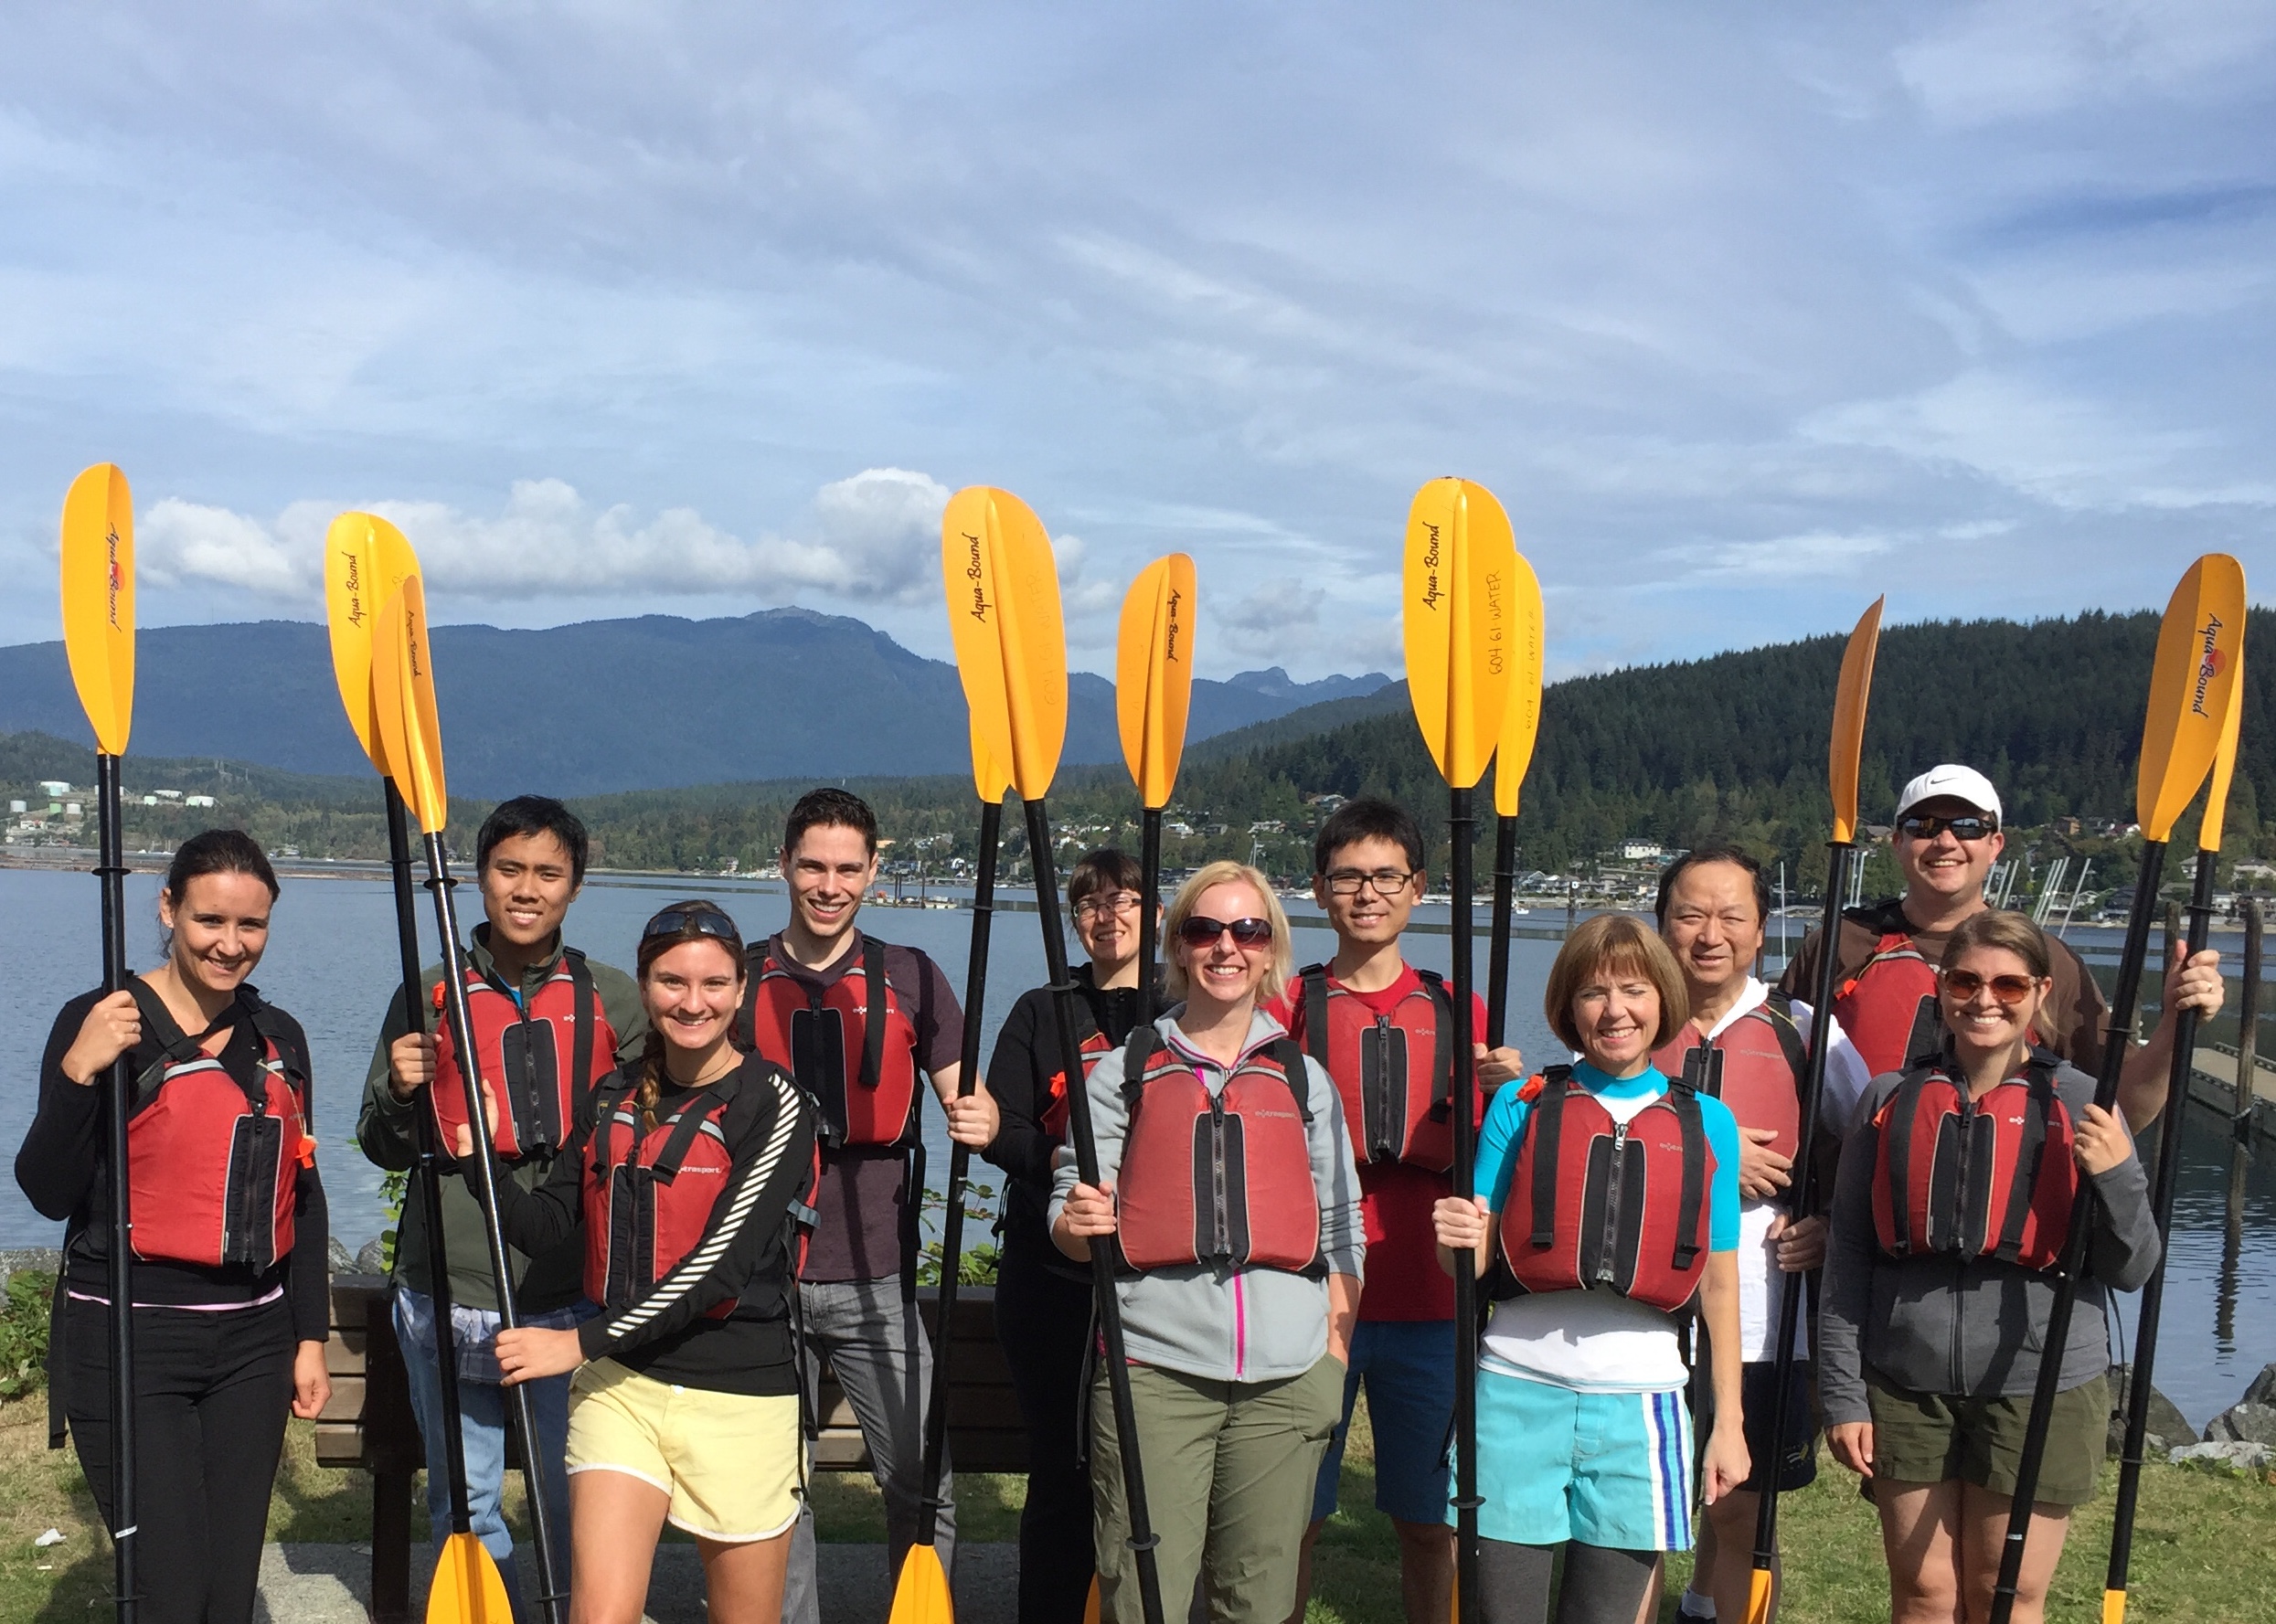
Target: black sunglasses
1921,826
1199,930
702,921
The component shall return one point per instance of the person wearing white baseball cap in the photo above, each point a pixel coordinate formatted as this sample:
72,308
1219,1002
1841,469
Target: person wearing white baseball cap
1889,954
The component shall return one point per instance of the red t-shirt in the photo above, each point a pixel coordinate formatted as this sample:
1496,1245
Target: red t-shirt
1404,1280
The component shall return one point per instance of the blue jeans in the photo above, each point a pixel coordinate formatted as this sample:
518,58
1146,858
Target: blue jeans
482,1406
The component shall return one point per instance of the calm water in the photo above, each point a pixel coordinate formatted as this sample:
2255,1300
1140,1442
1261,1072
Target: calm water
332,962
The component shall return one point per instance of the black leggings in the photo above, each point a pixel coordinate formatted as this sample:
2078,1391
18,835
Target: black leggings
213,1390
1043,1320
1599,1587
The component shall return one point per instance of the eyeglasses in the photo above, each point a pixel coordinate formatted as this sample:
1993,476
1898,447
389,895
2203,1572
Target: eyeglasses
1973,827
1201,931
1108,902
702,921
1388,882
2009,990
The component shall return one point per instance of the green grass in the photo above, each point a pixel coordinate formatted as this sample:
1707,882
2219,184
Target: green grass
2205,1547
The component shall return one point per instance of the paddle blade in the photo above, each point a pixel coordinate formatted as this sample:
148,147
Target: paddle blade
921,1595
1090,1603
410,733
1455,615
990,776
2113,1606
2191,687
98,573
365,559
1003,588
468,1587
1759,1595
1153,675
1521,714
2224,765
1849,700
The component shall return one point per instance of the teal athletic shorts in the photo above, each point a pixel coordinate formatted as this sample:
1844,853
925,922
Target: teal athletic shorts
1409,1366
1606,1469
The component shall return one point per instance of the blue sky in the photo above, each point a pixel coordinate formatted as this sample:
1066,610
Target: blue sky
1748,312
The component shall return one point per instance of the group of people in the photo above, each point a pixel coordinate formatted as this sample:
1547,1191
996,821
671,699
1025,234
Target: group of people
707,1182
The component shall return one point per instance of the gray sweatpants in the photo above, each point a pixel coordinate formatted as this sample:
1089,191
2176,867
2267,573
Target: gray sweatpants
876,1345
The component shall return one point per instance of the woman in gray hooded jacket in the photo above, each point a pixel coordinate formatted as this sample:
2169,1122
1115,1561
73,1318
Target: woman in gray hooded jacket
1228,1191
1952,1203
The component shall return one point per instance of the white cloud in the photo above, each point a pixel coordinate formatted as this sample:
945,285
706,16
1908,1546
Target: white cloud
177,542
1279,619
1778,559
875,536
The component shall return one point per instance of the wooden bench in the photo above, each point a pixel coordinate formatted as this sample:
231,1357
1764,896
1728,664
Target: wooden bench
369,1425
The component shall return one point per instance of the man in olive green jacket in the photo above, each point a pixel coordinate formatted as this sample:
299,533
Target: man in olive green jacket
548,1025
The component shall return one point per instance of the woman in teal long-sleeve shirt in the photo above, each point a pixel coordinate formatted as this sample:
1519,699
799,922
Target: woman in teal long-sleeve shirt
1584,1438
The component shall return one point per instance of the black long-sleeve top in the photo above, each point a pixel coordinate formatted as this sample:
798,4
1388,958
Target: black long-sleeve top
64,1170
747,1253
1020,1076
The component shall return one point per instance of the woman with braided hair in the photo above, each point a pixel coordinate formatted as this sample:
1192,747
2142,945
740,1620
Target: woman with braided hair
689,1176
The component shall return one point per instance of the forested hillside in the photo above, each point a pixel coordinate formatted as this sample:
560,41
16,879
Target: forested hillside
1732,747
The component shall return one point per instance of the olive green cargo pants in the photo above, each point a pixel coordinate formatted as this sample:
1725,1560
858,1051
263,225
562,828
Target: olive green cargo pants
1230,1471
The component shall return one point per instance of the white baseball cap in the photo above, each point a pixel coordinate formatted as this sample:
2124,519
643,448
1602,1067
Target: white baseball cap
1950,782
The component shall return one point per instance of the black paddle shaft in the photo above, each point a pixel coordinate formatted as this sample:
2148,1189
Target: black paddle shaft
111,869
1141,1536
424,1136
550,1595
1149,905
2115,1039
2153,1303
1497,959
1466,1501
960,1158
1839,854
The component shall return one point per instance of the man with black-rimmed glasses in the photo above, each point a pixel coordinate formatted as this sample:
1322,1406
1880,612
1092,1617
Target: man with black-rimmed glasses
1383,1030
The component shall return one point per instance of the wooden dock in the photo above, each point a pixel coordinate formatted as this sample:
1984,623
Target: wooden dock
2213,1082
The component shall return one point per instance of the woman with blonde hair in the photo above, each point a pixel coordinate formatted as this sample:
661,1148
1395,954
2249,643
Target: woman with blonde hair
1610,1194
1951,1210
1227,1189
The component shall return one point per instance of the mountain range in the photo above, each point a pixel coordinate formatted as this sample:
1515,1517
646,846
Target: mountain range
652,702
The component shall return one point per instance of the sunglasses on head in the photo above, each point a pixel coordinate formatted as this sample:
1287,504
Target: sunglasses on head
701,921
1201,931
1967,826
2011,989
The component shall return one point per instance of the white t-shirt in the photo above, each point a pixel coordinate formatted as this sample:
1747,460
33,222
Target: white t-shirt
1761,1283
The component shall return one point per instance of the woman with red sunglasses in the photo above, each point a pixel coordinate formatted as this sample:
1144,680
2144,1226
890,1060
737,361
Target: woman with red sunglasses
1953,1204
1227,1189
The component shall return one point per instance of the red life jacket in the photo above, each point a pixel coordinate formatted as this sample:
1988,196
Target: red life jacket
213,1166
1093,1043
540,1062
1992,1177
1395,1072
650,1196
1888,1007
1597,1204
1223,1179
803,1029
1754,1065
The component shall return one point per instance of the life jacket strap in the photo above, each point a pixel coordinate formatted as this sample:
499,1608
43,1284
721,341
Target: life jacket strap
587,1008
1788,1035
1685,1102
2039,1075
1547,1131
873,1023
1312,978
1442,1048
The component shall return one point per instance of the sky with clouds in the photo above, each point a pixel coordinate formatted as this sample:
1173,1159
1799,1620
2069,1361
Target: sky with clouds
1748,312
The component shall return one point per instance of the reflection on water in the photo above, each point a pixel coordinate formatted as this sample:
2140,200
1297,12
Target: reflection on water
332,961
